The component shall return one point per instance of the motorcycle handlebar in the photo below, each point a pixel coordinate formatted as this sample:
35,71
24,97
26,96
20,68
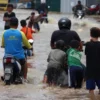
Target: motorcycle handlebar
2,47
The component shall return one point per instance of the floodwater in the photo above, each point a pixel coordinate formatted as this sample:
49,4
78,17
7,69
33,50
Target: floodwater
35,90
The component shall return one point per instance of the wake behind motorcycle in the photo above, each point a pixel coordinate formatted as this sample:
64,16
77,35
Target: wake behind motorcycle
12,70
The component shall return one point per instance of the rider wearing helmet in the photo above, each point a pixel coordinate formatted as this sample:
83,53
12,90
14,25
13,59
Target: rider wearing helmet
12,40
79,6
64,33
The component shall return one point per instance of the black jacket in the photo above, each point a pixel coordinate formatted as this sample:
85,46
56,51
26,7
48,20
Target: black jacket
66,35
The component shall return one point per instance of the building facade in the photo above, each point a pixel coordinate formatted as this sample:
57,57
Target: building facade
91,2
66,5
63,6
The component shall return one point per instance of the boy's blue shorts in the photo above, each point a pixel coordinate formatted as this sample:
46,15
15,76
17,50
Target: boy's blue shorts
92,83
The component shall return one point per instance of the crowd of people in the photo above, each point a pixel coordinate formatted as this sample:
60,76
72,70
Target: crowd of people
65,56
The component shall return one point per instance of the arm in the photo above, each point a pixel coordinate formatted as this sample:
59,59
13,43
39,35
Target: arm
25,41
86,49
49,57
14,15
5,18
36,19
78,39
76,36
2,43
65,60
27,18
65,66
52,43
33,31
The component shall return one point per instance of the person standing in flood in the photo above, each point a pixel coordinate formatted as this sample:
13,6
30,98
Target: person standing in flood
75,67
92,52
33,21
8,15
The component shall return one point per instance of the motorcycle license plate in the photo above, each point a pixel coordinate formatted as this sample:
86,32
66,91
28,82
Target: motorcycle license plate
7,70
7,77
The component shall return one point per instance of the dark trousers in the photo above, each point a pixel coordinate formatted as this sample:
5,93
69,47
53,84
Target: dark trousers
36,26
76,76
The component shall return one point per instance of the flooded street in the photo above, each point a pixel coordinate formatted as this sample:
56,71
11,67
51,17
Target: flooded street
34,90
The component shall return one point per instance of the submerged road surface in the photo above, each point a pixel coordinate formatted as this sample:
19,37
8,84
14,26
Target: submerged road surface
34,90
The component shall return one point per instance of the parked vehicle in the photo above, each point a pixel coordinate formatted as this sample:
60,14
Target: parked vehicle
3,4
93,9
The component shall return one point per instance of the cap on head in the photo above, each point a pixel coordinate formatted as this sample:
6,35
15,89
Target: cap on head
64,23
14,21
60,44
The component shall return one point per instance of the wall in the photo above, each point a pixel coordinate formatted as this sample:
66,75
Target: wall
92,2
54,5
66,5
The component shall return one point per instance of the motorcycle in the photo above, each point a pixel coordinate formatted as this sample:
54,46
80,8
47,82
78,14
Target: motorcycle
12,70
93,9
29,52
80,14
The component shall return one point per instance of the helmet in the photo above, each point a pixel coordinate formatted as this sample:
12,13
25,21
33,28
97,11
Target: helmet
60,44
64,23
79,2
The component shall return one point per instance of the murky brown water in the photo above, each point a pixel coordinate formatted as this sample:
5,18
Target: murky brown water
34,89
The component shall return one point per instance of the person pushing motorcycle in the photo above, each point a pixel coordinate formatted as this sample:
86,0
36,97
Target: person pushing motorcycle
64,33
12,40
